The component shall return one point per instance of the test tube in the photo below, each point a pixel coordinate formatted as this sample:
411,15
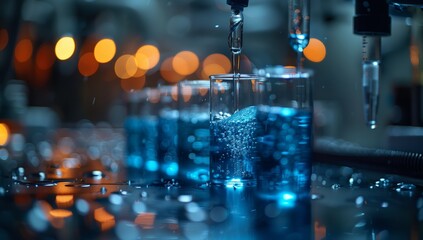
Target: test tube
299,24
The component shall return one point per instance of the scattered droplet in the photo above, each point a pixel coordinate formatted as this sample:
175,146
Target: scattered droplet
316,196
124,192
359,201
383,183
144,194
185,198
384,204
95,174
139,207
82,206
21,171
336,186
405,189
39,175
115,199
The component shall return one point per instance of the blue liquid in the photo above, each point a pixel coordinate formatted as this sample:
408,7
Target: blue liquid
194,141
267,146
141,136
298,41
167,144
233,148
133,142
284,148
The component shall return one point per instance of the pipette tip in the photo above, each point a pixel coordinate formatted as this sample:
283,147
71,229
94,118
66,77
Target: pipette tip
372,124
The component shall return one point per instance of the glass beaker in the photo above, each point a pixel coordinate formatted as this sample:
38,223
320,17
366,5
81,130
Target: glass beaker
233,124
284,133
193,132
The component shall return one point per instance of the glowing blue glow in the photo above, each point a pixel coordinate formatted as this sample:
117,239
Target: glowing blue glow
288,112
134,160
152,165
171,169
234,183
287,199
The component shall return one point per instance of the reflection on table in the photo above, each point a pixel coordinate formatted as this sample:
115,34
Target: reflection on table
79,188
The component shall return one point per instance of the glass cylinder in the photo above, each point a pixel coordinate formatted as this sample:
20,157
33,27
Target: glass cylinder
232,129
284,134
168,132
141,134
193,132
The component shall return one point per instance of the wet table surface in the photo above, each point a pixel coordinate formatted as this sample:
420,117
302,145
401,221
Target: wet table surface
69,197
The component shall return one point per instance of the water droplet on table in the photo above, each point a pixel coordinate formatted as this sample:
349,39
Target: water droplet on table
95,174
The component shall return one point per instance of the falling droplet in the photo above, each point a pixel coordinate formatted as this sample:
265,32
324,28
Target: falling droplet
103,190
216,26
336,186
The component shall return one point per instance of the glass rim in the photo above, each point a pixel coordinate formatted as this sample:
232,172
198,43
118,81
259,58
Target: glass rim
199,82
280,71
230,77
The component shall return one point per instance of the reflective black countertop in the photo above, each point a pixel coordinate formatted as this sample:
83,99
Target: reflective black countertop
82,198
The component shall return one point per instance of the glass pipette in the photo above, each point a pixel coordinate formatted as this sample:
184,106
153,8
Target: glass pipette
236,24
370,78
299,26
371,21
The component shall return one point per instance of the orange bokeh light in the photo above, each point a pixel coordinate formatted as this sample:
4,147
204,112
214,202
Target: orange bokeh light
315,51
132,84
4,134
44,58
147,56
168,73
145,220
23,50
105,50
215,64
60,213
4,38
87,65
186,93
105,219
64,201
185,63
65,48
126,66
